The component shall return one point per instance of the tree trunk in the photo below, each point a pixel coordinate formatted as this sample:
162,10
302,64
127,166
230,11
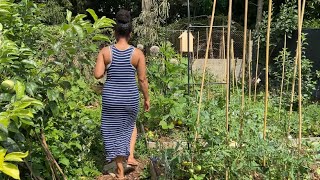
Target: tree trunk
259,13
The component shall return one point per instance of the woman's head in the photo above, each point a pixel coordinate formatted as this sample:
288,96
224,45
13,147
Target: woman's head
123,27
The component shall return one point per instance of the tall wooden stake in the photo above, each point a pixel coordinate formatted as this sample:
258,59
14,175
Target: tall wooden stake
295,72
257,68
283,71
267,76
244,65
198,45
227,77
228,64
204,69
233,65
249,63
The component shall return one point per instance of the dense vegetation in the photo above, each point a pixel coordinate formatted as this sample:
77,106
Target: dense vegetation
50,112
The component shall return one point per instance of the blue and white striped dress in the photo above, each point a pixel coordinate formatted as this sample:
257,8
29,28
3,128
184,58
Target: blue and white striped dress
120,104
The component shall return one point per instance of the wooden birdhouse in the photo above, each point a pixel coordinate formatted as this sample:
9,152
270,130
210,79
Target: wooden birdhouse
184,42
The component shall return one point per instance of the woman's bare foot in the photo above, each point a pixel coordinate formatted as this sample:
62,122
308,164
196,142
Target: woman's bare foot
132,161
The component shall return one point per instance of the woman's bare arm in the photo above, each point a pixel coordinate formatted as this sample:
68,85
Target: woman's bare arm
142,77
101,65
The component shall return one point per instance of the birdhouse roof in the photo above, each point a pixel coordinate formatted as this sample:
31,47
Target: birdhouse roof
185,35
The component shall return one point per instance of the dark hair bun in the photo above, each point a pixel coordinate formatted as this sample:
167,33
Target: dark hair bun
123,28
123,16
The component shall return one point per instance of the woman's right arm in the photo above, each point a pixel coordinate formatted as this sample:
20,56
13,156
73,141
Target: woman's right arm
143,81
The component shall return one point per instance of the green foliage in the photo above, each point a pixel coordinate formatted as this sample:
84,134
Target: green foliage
308,78
51,64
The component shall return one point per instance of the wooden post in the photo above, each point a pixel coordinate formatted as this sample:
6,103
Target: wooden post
249,63
283,71
257,68
223,45
243,65
233,65
204,69
267,76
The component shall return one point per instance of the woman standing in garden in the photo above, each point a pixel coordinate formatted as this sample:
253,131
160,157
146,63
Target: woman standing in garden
120,97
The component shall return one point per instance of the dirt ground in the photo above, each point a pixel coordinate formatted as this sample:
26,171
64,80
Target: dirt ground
134,175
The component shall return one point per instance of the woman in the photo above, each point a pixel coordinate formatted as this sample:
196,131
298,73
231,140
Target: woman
120,97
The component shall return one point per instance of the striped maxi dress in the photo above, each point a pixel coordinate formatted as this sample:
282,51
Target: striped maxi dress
120,104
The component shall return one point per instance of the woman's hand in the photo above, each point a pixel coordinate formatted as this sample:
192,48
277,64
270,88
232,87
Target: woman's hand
147,105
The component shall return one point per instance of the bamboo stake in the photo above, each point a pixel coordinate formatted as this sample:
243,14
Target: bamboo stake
244,65
233,66
295,73
228,65
267,77
249,64
204,69
228,79
300,15
257,67
223,45
198,45
283,71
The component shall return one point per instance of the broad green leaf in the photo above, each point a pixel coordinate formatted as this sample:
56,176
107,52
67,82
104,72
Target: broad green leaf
79,30
1,27
31,88
93,14
163,124
79,17
4,121
27,121
32,101
65,27
64,161
19,88
2,154
69,14
21,105
11,170
65,85
52,95
22,113
29,62
101,37
16,156
54,108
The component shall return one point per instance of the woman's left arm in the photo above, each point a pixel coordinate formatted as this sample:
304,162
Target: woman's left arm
100,65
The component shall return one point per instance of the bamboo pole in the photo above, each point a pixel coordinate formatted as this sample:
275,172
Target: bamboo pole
283,71
228,65
198,45
295,73
228,79
249,64
300,22
204,69
223,45
257,67
267,76
244,65
233,66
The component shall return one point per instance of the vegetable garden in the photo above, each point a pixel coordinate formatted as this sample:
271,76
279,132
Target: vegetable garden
50,107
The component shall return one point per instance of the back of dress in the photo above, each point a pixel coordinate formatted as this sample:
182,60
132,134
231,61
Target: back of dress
120,103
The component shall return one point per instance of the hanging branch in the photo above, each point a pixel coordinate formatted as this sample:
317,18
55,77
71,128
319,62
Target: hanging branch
257,67
243,65
283,71
204,69
267,76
